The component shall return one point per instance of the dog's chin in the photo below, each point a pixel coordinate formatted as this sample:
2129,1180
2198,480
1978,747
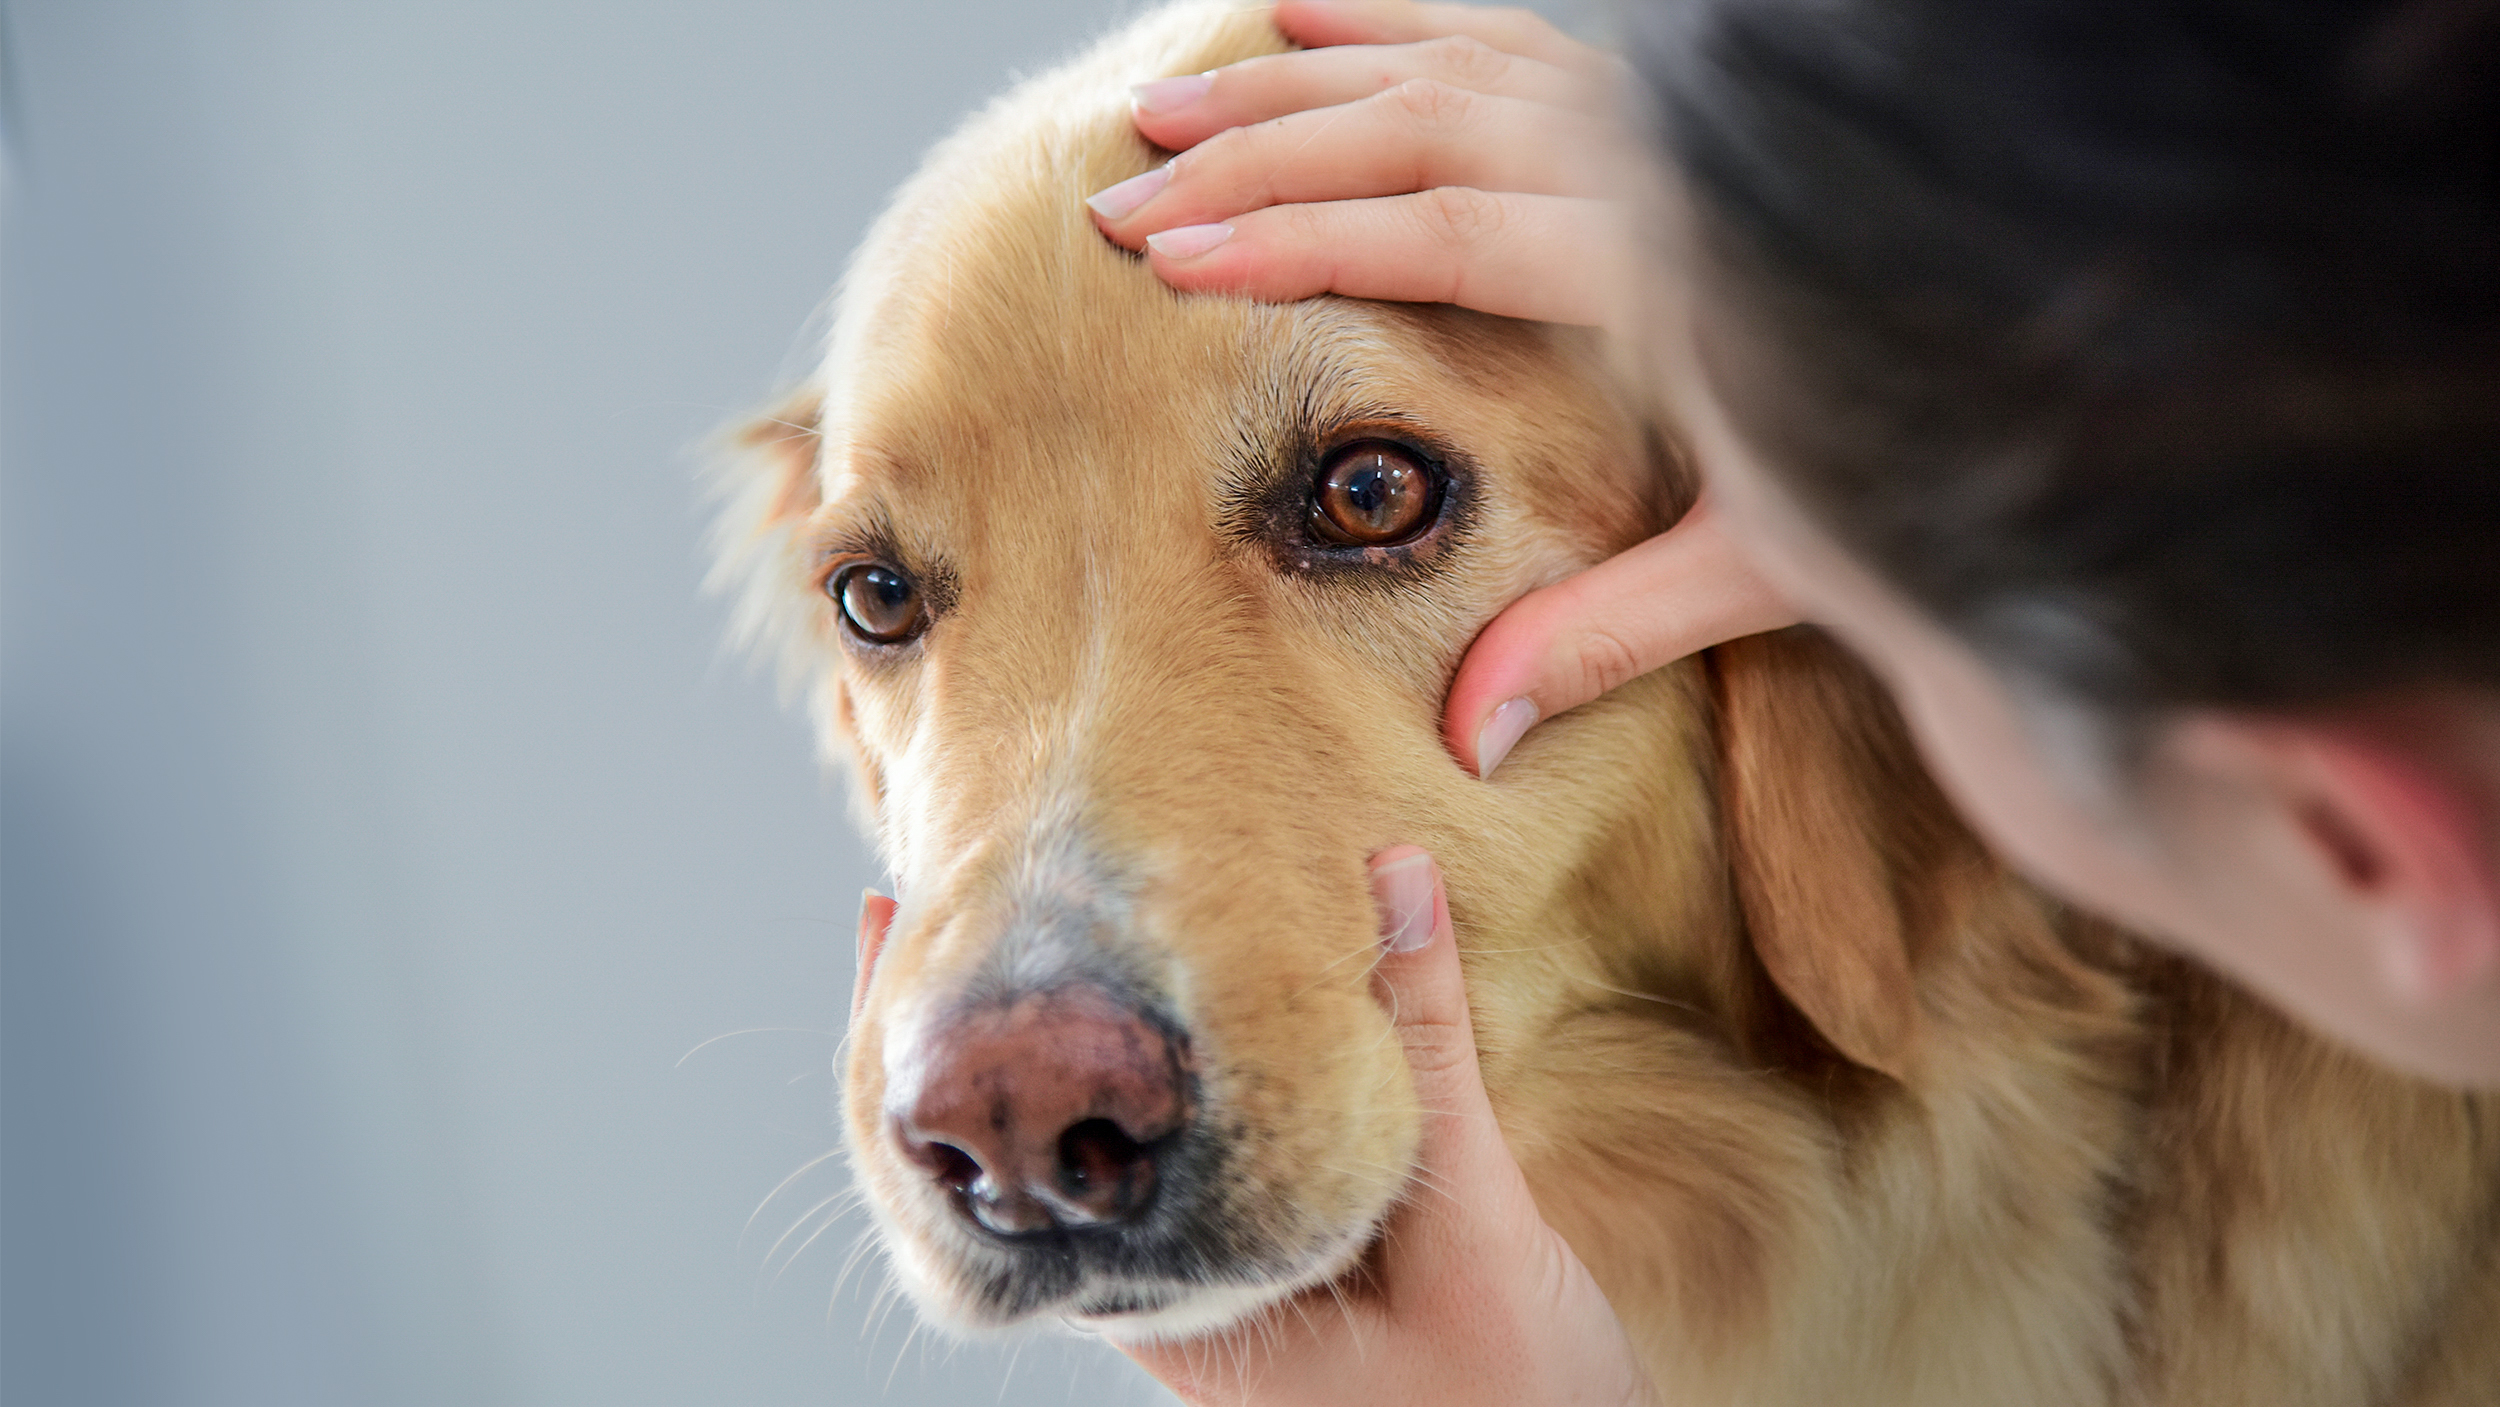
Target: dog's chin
1128,1308
1166,1314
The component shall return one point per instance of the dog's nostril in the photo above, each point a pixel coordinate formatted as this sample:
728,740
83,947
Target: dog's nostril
1104,1171
953,1166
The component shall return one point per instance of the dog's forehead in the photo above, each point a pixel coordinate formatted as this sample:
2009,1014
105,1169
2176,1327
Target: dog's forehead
1005,336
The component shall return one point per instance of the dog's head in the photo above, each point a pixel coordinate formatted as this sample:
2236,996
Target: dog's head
1132,614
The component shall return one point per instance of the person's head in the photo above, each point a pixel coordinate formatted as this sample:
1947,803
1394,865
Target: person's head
2123,378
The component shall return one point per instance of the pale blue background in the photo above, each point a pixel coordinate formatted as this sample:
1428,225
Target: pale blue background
383,822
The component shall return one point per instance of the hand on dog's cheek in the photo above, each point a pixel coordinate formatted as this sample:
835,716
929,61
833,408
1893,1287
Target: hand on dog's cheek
1689,588
876,915
1468,1296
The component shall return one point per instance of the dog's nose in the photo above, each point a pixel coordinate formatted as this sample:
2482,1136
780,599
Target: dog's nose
1044,1112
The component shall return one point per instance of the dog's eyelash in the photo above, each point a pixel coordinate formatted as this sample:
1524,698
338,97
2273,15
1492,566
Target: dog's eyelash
1264,496
876,541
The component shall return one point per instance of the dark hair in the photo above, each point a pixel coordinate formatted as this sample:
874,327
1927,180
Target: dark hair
2153,346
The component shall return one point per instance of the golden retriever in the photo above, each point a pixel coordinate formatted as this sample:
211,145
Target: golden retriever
1132,613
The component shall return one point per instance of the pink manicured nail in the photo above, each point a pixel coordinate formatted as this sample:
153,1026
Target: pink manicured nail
1116,202
1502,728
1171,94
1189,241
1402,892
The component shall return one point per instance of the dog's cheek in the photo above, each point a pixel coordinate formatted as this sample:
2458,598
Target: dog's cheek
844,743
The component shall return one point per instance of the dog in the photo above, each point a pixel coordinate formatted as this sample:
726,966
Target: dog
1131,613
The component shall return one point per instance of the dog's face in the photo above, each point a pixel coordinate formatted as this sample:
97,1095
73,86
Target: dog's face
1133,614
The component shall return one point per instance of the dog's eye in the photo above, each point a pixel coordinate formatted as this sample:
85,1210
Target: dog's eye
879,603
1373,494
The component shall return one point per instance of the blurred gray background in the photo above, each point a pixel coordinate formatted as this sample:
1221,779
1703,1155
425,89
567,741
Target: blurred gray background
424,946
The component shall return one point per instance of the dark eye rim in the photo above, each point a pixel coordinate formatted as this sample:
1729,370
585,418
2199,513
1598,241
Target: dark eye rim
1267,508
1436,488
1445,519
831,583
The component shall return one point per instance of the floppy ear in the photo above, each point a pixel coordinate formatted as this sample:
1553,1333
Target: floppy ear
769,480
764,474
1836,837
770,469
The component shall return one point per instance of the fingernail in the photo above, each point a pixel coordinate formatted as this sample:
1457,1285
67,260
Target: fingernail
1115,202
1502,728
1189,241
1402,892
1171,94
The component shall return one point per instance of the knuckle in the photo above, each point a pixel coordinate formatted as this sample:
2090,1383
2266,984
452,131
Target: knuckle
1465,216
1605,661
1467,60
1431,103
1436,1048
1304,225
1214,150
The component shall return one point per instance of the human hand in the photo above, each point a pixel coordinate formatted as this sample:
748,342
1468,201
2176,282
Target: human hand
1412,152
1470,1296
1684,590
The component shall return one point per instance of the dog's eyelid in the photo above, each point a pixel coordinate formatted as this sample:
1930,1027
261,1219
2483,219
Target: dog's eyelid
1396,430
855,535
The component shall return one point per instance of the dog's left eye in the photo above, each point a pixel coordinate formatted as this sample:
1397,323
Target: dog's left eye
879,604
1373,493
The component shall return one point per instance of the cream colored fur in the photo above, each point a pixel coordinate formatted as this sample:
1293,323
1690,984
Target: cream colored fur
1835,1109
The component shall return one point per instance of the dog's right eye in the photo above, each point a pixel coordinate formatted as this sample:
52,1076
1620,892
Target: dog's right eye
879,603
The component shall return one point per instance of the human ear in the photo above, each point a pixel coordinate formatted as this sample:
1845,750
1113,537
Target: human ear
2390,828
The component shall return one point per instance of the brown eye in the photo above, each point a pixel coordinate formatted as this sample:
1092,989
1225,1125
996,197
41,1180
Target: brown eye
879,604
1373,494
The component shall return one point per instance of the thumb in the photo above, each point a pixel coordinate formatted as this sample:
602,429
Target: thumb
1418,974
1419,980
1684,590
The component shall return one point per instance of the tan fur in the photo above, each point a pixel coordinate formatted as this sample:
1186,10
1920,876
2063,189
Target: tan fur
1834,1108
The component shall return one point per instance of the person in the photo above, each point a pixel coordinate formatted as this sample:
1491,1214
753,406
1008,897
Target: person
2117,378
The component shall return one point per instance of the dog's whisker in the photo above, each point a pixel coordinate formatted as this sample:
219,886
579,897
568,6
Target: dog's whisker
1370,948
702,1045
908,1335
792,1259
805,1218
1345,1311
783,1186
862,1245
1009,1375
1638,996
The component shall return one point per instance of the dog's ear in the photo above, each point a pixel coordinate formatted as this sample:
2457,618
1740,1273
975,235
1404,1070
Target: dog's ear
769,476
1837,838
775,457
765,476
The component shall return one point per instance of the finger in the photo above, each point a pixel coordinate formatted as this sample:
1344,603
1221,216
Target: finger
1419,981
1179,113
1547,258
876,917
1411,138
1684,590
1513,31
